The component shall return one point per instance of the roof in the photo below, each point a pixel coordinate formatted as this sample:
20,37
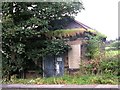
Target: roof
76,24
72,28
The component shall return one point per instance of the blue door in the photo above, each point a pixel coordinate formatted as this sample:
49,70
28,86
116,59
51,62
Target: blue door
53,66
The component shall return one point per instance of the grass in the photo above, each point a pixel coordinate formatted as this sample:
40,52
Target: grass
108,78
67,32
84,79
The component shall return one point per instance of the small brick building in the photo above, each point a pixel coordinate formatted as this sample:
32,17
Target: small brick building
77,53
76,36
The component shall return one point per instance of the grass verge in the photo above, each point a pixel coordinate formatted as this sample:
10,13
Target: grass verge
84,79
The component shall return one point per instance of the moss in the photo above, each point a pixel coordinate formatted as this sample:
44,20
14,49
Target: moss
66,32
73,32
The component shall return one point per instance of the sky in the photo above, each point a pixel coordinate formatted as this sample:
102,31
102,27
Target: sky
101,15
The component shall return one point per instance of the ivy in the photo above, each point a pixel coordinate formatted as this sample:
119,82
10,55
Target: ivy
94,46
56,47
24,30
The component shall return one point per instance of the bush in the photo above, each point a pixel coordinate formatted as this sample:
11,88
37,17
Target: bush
104,66
110,66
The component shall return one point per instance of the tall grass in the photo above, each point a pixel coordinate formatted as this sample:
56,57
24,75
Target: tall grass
84,79
107,73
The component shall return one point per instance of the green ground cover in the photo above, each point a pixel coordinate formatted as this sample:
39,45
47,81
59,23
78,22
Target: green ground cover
85,79
108,73
112,53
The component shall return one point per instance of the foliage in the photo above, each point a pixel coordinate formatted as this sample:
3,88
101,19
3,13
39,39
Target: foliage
66,32
102,36
112,53
56,47
105,79
113,45
116,44
93,47
110,66
107,65
23,32
85,79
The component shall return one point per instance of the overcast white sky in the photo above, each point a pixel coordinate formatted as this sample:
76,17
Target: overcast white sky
101,15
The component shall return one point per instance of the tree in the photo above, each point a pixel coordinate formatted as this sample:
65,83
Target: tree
24,27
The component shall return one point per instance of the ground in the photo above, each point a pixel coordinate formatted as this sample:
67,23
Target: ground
57,87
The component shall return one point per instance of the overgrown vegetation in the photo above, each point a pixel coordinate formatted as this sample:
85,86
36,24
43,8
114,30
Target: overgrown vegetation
26,39
108,65
66,32
101,62
95,46
105,65
113,45
24,30
82,79
105,71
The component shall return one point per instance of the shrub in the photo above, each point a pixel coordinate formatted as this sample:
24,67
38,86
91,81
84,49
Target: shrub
110,66
104,66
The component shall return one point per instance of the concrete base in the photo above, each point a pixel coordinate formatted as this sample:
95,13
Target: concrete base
59,87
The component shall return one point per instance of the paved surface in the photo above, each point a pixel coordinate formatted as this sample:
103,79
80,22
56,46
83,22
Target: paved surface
58,87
